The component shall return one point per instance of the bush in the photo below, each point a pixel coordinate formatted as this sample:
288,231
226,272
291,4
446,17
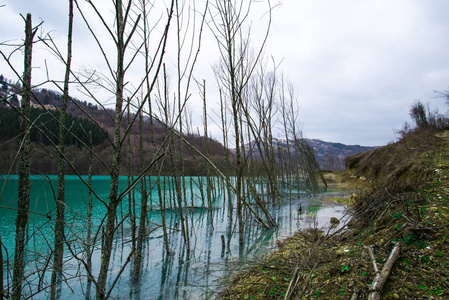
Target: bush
425,121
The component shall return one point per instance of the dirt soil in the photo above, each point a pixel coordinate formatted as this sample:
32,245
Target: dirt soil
400,197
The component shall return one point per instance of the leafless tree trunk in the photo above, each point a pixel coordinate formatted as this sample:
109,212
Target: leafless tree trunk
288,153
60,201
158,183
24,166
206,153
89,216
143,209
115,167
148,89
131,196
227,192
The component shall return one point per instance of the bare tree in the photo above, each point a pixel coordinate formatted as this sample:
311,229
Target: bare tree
60,206
24,165
115,167
206,152
143,208
89,218
233,74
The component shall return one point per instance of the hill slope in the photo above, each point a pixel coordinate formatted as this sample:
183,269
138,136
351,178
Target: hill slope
83,117
329,155
402,199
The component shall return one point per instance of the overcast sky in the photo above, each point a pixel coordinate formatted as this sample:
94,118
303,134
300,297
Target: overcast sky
356,66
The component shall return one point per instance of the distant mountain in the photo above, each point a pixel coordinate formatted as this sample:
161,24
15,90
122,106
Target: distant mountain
329,155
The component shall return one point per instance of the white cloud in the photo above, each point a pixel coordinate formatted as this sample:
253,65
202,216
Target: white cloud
361,64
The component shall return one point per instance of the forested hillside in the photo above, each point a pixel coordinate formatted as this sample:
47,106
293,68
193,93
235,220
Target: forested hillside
46,120
82,119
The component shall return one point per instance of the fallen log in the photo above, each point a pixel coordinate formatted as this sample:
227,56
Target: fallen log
381,277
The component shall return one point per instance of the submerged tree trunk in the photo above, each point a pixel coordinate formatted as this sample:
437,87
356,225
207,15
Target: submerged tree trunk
60,206
143,209
89,215
206,150
239,169
131,196
117,147
24,167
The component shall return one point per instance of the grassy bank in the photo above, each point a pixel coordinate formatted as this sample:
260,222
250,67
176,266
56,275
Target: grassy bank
401,197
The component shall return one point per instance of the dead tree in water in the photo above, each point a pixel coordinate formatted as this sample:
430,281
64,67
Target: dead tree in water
89,217
60,201
206,152
141,234
233,74
115,167
24,166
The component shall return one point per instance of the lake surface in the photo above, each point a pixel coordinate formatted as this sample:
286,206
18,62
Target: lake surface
198,274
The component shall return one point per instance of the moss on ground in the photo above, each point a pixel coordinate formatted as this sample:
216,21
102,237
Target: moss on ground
401,194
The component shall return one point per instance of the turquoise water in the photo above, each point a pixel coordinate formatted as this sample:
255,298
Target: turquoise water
198,274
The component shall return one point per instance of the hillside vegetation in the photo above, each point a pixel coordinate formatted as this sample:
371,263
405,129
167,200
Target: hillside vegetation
84,117
401,198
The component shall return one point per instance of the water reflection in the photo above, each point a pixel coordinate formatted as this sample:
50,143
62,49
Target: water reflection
180,274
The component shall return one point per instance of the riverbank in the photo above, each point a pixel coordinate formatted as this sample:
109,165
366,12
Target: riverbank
401,200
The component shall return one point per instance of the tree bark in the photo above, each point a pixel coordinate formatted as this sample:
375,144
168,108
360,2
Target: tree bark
60,206
115,168
143,209
24,167
89,216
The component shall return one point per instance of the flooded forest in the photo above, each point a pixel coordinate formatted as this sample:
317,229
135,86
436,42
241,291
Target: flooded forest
161,172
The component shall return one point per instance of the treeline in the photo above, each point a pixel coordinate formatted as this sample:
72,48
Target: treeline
46,126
